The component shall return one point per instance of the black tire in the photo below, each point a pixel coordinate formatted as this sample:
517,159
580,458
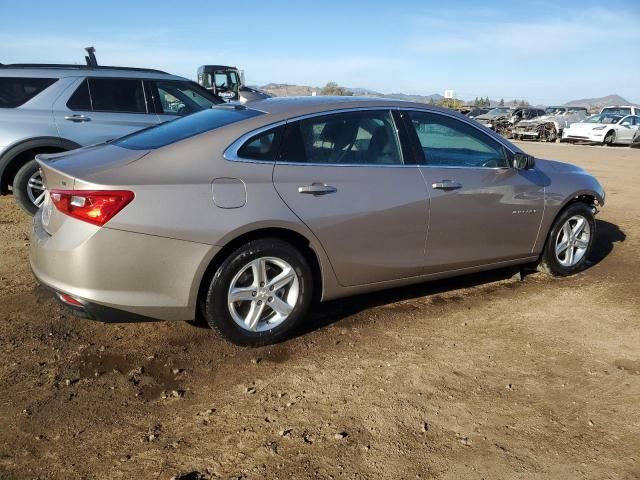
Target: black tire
609,138
217,312
20,187
549,262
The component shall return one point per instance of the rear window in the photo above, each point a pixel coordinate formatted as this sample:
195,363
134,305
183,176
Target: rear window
176,130
15,91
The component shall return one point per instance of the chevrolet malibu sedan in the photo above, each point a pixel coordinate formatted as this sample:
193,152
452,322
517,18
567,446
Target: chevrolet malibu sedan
248,215
605,128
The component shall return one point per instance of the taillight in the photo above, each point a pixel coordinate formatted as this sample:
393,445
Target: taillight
93,206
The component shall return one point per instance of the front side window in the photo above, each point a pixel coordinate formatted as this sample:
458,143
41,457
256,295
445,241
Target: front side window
447,142
177,97
262,147
354,138
16,91
182,128
117,95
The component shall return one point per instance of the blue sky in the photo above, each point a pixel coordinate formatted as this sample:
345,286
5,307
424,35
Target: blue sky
546,52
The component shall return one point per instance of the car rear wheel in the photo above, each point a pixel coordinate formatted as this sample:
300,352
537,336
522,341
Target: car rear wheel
260,293
570,241
610,138
28,187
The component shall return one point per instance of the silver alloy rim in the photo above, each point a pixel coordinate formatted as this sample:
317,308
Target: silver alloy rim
572,241
35,189
263,294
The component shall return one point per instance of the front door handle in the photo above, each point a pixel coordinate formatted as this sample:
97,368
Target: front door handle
317,189
446,185
77,118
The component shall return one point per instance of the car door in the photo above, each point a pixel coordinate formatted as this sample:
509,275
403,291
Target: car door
344,176
482,210
626,129
101,109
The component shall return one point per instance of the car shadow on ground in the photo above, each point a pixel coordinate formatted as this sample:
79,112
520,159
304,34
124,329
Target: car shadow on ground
334,311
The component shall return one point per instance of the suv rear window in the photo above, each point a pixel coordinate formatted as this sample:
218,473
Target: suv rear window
15,91
176,130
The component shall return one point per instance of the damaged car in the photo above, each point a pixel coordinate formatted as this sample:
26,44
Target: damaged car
549,127
494,116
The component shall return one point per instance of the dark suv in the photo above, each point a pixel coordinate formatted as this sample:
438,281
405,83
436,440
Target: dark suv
54,108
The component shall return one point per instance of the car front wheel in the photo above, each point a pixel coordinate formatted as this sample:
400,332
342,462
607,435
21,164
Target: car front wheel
260,293
28,187
610,139
570,241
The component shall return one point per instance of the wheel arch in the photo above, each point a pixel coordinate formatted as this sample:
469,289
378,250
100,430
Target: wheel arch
302,243
590,198
18,154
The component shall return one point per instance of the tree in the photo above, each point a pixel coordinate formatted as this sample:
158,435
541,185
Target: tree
332,88
431,101
501,102
515,102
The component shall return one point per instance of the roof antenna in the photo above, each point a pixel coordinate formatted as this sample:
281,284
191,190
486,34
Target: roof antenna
91,57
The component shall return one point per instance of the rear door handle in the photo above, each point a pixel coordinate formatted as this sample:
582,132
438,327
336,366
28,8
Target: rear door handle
446,185
77,118
317,189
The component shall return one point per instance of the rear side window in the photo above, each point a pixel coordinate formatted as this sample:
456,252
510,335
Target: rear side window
262,147
354,138
117,95
176,130
16,91
80,100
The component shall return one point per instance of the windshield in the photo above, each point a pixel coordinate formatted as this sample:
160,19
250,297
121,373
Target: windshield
606,118
182,128
183,97
496,112
225,82
552,110
618,110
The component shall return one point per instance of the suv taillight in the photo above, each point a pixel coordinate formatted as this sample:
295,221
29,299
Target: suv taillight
93,206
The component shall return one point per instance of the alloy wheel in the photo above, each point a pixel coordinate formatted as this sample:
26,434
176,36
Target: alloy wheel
35,189
263,294
572,241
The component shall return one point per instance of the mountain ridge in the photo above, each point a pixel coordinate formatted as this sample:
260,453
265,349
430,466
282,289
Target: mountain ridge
284,89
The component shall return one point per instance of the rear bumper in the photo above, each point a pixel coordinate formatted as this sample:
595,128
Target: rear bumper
117,275
95,311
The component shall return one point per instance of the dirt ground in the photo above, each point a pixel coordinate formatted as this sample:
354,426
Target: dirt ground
481,377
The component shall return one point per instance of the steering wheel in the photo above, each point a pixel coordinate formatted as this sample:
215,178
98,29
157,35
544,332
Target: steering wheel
491,163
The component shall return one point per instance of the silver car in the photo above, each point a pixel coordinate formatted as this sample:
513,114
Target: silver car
54,108
250,214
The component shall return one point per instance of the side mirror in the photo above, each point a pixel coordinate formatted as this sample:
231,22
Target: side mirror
522,161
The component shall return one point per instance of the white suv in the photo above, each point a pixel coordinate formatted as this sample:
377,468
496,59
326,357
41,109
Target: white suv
54,108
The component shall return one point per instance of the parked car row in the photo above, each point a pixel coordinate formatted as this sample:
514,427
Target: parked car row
283,197
613,125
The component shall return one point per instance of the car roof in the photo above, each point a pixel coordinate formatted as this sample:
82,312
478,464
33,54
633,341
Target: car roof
64,70
296,106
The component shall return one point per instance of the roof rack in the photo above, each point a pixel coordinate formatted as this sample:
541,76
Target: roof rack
78,67
90,59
